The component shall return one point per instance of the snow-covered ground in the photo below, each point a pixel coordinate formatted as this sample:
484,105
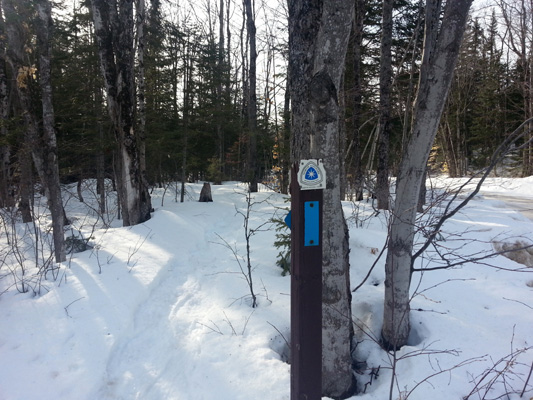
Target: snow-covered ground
162,310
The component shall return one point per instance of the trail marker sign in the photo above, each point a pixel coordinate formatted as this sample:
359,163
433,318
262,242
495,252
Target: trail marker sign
311,175
308,179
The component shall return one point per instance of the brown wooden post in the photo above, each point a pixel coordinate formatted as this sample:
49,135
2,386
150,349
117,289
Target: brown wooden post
306,289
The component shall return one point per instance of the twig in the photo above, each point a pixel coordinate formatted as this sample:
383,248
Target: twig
208,327
281,334
516,301
229,323
371,269
527,380
68,305
246,320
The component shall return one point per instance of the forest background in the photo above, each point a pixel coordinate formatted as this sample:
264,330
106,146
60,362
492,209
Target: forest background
201,120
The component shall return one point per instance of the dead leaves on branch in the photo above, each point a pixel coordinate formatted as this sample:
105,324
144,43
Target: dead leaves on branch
24,75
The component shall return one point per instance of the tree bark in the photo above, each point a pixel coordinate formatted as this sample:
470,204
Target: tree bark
441,48
6,197
318,39
141,86
357,99
113,25
25,202
205,193
220,93
253,174
48,149
385,83
43,146
285,140
187,105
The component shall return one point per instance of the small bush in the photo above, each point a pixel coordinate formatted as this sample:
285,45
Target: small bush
283,244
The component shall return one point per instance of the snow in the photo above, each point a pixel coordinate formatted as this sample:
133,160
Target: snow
162,310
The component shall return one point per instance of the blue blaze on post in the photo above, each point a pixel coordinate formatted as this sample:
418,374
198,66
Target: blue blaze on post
311,224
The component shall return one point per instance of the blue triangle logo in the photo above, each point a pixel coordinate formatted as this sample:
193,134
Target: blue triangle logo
311,174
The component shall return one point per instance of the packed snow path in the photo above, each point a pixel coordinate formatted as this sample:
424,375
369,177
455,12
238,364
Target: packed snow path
518,203
174,348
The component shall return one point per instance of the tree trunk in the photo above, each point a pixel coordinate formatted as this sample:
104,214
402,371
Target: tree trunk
187,104
357,99
113,25
141,89
43,147
100,181
385,83
441,48
253,174
6,197
342,137
285,140
205,193
25,185
48,142
100,156
318,39
220,93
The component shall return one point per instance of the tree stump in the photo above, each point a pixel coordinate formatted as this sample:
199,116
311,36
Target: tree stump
205,194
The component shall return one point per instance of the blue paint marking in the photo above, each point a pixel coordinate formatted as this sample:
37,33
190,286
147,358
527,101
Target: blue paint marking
288,220
311,174
311,223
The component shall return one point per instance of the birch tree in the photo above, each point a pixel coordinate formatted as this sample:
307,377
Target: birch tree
442,42
41,141
318,40
114,30
48,150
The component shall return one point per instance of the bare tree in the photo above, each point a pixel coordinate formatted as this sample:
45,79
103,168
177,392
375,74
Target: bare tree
441,47
318,40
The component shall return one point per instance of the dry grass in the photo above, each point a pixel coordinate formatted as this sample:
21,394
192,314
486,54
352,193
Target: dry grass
518,251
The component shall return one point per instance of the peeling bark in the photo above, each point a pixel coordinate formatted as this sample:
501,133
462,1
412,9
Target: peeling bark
113,23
